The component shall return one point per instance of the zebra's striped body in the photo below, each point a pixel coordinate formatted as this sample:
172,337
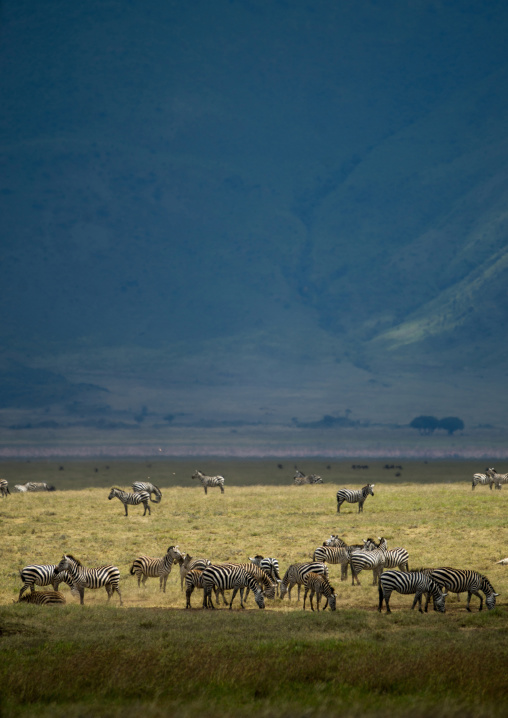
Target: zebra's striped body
42,575
128,499
209,481
146,567
226,578
193,579
107,576
318,584
497,479
377,558
270,566
334,541
4,488
295,575
300,479
335,555
38,486
482,480
259,576
43,597
461,580
413,582
354,497
187,563
138,486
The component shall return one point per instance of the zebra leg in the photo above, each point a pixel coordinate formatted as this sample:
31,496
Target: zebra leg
205,488
381,598
360,507
418,597
305,596
81,592
147,508
338,506
235,591
188,594
125,507
469,594
221,488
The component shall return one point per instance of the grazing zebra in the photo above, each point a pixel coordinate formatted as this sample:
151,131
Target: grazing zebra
42,575
147,567
21,488
4,488
300,479
334,541
497,479
226,578
39,486
138,486
482,480
270,566
413,582
354,497
140,497
295,575
43,597
209,481
319,585
460,580
107,576
335,555
187,563
259,576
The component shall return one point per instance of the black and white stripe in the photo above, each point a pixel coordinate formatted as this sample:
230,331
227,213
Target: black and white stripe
43,598
38,486
4,488
497,479
138,486
481,480
146,567
295,575
413,582
107,576
318,584
129,499
354,497
209,481
377,559
461,580
334,541
226,578
334,555
270,566
193,579
42,575
187,563
300,479
261,578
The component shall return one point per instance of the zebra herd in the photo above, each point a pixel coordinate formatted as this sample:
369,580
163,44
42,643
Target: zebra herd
490,478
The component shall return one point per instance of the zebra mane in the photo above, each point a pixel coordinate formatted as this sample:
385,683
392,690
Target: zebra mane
74,559
118,489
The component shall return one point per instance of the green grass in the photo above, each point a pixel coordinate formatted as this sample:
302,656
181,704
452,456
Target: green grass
152,657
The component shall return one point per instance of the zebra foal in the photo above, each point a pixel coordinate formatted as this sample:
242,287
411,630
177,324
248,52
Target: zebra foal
318,584
146,567
295,576
43,598
128,499
107,576
354,497
209,481
138,486
413,582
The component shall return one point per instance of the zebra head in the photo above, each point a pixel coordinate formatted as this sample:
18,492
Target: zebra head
64,564
260,599
283,589
490,601
113,493
175,554
332,601
370,489
439,603
197,475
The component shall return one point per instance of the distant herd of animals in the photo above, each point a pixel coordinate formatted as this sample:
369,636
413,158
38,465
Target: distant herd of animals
261,574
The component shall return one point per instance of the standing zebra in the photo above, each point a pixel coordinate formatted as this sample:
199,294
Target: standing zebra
193,579
42,575
4,488
138,486
147,567
295,575
141,497
414,582
334,541
482,480
460,580
39,486
335,555
187,563
377,559
300,479
259,576
354,497
43,597
226,578
270,566
107,576
497,479
319,585
209,481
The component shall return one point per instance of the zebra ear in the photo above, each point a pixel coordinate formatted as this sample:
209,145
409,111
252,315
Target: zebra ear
496,594
444,595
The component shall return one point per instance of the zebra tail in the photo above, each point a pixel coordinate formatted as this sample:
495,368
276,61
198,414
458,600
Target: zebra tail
132,570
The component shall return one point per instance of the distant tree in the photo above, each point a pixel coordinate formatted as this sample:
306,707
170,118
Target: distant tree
425,424
451,424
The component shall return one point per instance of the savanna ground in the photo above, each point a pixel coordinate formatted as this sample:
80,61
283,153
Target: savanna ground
151,657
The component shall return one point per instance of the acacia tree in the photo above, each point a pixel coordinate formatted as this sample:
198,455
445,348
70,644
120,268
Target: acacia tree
451,424
425,424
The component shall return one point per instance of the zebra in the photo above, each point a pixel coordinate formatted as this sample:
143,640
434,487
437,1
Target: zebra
460,580
482,480
42,575
209,481
229,577
300,479
497,479
193,579
39,486
334,555
21,488
147,567
140,497
295,575
354,497
138,486
270,566
377,559
319,585
107,576
260,577
395,558
187,563
334,541
4,488
43,597
413,582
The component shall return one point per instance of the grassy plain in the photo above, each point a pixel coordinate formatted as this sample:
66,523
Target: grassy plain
152,657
